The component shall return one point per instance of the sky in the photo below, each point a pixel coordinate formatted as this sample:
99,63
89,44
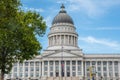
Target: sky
97,22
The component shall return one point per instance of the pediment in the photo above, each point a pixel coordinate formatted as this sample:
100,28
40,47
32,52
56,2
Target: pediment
62,54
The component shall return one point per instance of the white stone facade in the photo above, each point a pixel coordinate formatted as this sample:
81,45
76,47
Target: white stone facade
64,60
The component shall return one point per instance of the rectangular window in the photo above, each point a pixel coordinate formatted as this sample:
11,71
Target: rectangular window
26,63
37,68
51,74
116,74
45,68
73,62
93,62
116,62
51,68
104,62
88,63
79,62
51,62
68,62
116,69
20,64
99,68
68,68
99,62
26,74
31,74
20,75
110,62
31,63
99,74
73,68
45,62
26,68
105,74
104,68
15,69
37,63
31,68
79,68
56,63
74,73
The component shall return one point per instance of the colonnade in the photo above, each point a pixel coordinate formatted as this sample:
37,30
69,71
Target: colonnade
70,68
63,40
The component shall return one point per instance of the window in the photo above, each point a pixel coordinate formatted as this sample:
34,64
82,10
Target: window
79,68
31,63
26,68
110,62
51,74
21,69
68,68
26,63
31,74
79,62
79,73
31,68
20,64
93,62
88,63
15,64
68,74
37,75
51,68
99,74
45,68
99,68
116,74
21,74
46,62
99,62
110,68
15,69
45,73
37,63
73,73
104,69
73,62
116,62
104,63
57,68
26,74
73,68
116,68
68,62
37,68
105,74
56,63
51,62
15,74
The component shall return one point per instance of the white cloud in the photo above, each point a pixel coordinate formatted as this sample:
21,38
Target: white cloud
101,28
92,40
92,7
91,44
32,9
48,20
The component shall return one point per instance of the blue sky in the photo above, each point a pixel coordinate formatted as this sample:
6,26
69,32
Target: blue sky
97,22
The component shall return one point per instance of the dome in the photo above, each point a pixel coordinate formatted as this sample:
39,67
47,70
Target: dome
62,17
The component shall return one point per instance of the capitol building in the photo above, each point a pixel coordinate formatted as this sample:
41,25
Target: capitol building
64,60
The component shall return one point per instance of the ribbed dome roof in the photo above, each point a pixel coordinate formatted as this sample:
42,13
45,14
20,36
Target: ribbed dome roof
62,17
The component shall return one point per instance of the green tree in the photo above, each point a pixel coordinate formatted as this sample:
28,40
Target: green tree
17,34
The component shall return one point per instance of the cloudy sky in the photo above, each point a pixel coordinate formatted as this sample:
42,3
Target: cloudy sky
97,22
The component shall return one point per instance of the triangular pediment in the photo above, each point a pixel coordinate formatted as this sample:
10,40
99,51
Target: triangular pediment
62,54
